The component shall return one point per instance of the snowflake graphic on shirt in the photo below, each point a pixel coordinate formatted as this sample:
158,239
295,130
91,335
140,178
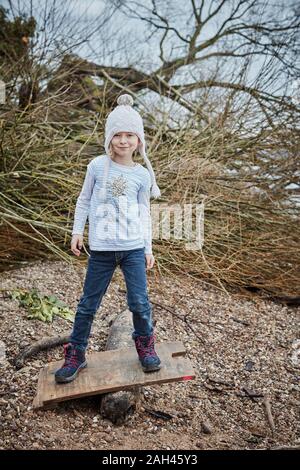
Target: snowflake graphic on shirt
117,187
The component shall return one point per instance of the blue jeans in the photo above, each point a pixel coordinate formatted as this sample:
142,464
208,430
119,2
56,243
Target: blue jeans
100,269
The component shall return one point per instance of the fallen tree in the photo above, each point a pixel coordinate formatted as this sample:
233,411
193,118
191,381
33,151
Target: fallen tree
116,406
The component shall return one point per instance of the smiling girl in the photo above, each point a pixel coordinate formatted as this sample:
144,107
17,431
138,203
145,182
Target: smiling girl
116,199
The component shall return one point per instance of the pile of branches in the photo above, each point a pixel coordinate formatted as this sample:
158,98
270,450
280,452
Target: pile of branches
251,239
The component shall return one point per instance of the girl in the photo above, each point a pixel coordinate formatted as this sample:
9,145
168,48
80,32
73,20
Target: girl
116,199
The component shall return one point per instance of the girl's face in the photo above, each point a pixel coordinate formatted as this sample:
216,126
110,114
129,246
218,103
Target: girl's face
124,143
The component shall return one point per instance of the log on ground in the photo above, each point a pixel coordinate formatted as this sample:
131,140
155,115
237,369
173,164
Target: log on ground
117,406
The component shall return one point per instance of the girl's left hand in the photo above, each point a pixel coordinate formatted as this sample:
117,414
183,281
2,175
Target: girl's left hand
150,261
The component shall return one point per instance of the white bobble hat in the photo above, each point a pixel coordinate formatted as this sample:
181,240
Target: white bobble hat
126,119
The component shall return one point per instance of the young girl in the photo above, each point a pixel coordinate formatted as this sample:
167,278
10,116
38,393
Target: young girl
116,199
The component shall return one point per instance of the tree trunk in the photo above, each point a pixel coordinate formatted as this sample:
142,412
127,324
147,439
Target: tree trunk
116,406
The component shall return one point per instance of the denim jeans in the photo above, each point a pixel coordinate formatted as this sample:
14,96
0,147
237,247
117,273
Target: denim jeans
100,269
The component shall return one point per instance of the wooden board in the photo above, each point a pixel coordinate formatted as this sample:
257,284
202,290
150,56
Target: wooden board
111,371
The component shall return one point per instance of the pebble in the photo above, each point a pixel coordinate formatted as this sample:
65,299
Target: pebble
206,427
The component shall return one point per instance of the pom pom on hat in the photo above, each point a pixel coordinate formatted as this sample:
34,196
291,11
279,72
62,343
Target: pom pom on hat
125,100
126,119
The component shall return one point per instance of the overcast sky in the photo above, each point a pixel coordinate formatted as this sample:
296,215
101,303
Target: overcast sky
123,41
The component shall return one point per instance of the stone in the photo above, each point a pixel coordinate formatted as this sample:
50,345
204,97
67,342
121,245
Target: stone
207,427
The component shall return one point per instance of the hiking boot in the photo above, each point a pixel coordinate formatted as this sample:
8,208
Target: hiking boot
74,362
147,355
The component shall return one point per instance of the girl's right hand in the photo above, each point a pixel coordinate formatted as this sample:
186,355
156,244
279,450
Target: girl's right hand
76,244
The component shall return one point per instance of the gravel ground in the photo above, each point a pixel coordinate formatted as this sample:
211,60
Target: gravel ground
237,346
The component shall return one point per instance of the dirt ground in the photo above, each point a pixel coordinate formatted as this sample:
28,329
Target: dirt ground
237,346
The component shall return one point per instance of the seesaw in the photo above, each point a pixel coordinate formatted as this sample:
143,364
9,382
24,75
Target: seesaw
111,371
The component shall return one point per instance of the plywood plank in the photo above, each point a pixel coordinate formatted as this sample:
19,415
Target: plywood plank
113,370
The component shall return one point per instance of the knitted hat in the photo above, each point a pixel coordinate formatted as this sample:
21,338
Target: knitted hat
126,119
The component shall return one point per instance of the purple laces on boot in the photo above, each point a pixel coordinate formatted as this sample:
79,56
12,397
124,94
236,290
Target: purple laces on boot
72,358
145,346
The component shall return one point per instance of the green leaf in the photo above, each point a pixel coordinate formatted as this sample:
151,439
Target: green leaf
40,307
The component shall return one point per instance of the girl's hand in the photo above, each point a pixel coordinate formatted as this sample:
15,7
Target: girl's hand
150,261
76,244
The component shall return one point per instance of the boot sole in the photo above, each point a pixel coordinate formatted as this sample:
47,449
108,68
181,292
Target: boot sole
151,368
64,380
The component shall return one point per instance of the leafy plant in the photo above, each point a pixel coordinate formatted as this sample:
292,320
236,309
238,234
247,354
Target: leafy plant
42,307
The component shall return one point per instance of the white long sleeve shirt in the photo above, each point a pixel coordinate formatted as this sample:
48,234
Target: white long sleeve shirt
121,221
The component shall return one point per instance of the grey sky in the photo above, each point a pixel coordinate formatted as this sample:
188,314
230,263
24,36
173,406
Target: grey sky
123,41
